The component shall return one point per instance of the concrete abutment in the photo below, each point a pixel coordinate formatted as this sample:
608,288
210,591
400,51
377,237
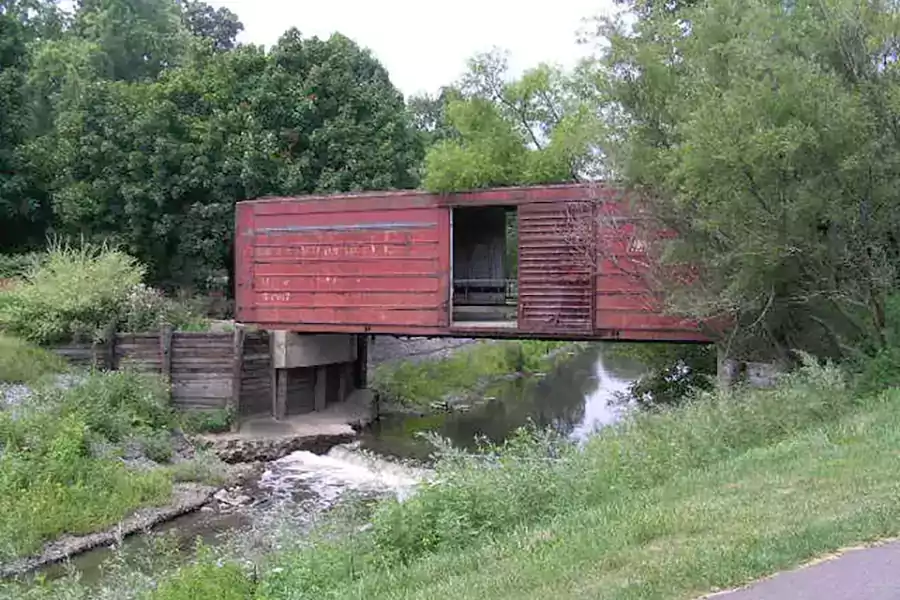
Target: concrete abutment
312,372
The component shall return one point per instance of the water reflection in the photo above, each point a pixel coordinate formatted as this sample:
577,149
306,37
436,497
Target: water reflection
577,397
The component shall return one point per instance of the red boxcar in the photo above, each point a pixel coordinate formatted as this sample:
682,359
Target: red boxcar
507,262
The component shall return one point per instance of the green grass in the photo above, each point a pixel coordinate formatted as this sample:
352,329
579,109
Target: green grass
21,362
206,421
420,384
672,504
52,481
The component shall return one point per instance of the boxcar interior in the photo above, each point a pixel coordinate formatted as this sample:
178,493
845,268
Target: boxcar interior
484,258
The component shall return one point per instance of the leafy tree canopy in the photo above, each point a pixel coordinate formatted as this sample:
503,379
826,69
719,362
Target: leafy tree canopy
490,130
765,134
144,122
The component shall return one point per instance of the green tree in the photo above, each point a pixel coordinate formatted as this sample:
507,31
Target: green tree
765,135
220,26
138,39
158,165
24,211
489,130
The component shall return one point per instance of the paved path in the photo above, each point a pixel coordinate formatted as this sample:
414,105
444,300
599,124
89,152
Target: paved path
865,574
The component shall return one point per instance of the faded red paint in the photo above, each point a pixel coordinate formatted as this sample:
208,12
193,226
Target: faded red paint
380,263
556,288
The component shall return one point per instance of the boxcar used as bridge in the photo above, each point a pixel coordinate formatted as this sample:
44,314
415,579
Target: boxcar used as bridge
504,262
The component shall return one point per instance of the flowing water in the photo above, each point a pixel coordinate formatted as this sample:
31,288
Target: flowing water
392,456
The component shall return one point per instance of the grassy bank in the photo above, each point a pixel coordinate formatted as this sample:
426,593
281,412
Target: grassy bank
21,362
76,460
673,504
423,383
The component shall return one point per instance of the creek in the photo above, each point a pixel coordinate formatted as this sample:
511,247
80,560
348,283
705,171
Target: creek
389,457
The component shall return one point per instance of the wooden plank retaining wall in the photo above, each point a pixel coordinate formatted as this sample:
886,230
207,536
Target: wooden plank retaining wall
206,370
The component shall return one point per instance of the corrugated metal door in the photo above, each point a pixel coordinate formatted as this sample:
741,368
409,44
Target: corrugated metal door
555,280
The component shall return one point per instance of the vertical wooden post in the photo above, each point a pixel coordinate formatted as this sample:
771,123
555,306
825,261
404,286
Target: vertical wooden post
110,358
320,389
165,352
344,381
237,376
279,383
361,367
726,370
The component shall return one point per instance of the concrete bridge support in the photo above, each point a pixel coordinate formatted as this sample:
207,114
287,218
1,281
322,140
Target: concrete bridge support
311,372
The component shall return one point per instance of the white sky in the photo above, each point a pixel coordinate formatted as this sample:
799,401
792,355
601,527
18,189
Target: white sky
424,48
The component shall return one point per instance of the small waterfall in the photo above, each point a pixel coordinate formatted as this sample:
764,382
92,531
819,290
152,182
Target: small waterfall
602,406
322,478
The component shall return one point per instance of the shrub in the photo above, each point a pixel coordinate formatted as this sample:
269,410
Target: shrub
205,467
146,309
882,371
79,292
115,404
207,421
206,578
21,362
13,266
157,446
74,293
50,484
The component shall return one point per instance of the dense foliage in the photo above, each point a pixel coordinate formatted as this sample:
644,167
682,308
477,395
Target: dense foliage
491,130
83,293
60,471
143,123
765,134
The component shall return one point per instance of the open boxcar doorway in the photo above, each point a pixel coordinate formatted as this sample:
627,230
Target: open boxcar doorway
484,259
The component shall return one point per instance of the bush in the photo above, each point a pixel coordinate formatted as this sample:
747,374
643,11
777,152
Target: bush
21,362
74,293
204,467
79,293
116,404
13,266
146,309
157,446
882,370
207,578
207,421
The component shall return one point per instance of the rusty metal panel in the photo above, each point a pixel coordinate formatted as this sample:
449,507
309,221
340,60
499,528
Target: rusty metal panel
379,262
627,306
354,261
556,288
244,263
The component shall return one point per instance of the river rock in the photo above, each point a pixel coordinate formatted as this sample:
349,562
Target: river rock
237,449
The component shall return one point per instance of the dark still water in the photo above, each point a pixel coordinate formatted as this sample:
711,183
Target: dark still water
578,396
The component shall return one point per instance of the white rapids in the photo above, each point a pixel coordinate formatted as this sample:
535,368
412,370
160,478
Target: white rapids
326,477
